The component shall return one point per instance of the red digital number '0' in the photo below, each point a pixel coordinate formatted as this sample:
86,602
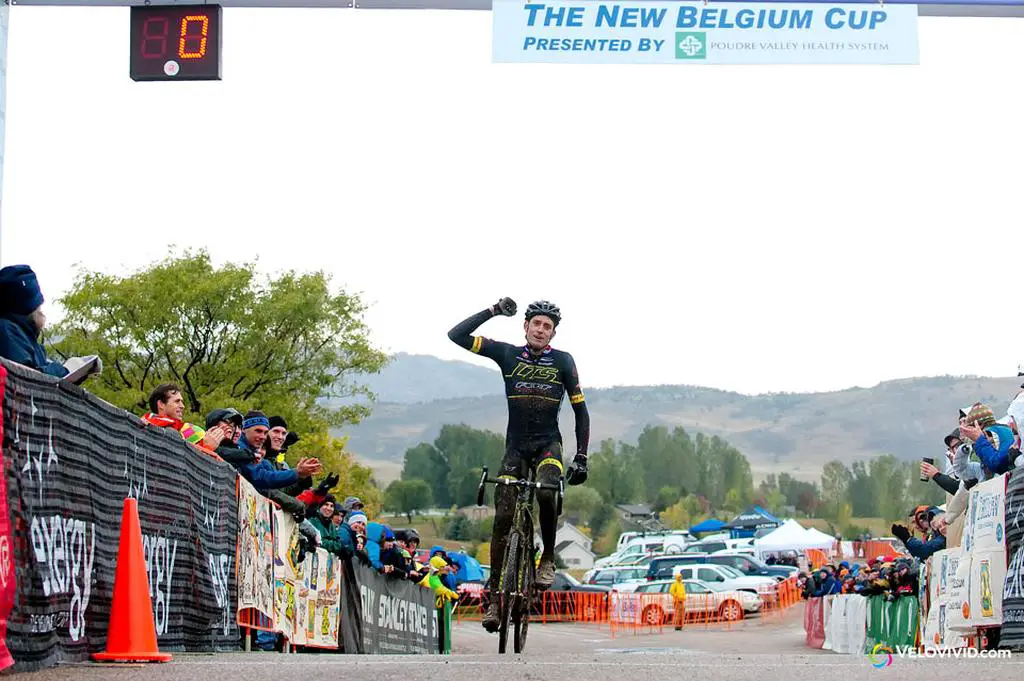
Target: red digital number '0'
154,37
203,23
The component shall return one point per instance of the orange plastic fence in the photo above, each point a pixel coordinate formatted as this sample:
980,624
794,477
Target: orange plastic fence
816,558
639,613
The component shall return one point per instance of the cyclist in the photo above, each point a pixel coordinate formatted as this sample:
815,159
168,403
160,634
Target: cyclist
537,377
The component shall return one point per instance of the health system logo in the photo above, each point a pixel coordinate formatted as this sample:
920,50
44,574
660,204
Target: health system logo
691,45
875,653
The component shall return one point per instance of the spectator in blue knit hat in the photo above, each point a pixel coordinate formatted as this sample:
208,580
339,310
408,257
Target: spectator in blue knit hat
22,320
260,472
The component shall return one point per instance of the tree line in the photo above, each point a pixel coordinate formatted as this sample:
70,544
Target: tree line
684,478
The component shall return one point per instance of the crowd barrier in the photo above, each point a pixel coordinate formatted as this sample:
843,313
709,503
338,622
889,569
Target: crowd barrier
640,612
966,592
216,555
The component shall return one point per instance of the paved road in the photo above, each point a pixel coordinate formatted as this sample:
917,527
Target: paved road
755,650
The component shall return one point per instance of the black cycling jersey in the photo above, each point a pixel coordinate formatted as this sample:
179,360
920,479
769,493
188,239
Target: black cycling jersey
534,386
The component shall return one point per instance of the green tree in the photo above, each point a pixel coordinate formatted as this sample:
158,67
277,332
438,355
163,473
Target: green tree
459,528
844,516
287,345
609,538
733,501
354,479
600,518
407,496
451,466
667,496
583,501
615,475
835,487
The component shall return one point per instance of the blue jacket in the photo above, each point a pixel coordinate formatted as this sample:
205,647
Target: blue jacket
374,537
830,585
995,457
347,537
923,549
262,474
18,343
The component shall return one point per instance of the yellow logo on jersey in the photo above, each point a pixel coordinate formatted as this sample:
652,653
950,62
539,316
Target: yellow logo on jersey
535,373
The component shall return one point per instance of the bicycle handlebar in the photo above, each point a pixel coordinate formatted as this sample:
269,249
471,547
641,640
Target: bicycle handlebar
517,482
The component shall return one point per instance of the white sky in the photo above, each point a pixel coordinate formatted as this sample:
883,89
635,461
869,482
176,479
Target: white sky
768,228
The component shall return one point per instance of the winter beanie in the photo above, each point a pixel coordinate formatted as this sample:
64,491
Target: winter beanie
981,415
277,422
19,290
356,517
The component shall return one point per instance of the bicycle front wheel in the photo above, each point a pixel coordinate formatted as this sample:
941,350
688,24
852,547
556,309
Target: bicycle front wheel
509,586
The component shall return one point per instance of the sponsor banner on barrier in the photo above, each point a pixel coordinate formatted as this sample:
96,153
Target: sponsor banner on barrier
397,616
255,551
1012,633
307,593
985,595
944,567
984,526
71,461
958,593
8,585
659,32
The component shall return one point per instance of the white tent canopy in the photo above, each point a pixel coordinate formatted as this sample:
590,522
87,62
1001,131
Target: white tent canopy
792,536
821,536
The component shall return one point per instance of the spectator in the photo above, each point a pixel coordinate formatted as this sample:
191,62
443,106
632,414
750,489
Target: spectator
678,593
279,439
166,410
379,542
437,569
229,421
949,482
352,535
449,576
258,471
22,321
933,541
321,522
992,441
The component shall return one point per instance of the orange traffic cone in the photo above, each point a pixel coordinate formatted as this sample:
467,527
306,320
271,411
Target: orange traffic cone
131,636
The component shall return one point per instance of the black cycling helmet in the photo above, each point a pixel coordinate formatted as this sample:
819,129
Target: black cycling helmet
543,307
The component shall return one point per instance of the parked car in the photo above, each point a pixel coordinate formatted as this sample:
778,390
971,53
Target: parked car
751,566
627,538
563,583
701,597
613,576
662,566
713,545
725,576
644,546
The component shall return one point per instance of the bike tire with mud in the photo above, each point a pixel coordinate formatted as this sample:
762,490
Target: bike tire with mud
509,579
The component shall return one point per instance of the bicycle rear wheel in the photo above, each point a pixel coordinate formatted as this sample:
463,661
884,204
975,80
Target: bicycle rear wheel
509,579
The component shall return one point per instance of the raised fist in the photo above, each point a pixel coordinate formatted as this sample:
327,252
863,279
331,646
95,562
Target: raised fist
505,306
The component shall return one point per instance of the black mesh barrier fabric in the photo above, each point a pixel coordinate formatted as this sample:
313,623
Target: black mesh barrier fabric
71,460
1012,635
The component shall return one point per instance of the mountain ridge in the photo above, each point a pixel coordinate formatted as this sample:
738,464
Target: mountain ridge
792,432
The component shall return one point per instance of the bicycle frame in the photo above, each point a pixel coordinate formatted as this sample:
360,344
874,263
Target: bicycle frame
516,597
